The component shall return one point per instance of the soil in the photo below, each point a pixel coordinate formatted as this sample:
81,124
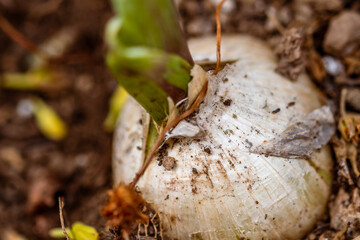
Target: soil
321,37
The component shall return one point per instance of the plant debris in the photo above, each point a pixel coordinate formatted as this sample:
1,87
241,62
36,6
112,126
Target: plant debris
150,231
291,55
124,208
353,98
300,139
345,152
344,212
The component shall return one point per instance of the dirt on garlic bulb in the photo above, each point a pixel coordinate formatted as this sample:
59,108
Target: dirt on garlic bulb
217,188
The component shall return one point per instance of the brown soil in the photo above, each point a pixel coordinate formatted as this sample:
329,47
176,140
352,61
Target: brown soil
77,167
321,37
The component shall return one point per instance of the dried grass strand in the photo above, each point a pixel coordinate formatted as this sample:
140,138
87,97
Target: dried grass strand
218,37
19,38
61,207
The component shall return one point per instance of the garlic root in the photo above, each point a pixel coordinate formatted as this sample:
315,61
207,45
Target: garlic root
218,189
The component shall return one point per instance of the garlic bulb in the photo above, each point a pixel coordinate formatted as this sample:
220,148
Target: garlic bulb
215,187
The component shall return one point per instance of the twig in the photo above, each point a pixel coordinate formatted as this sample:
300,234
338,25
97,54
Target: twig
31,47
162,135
61,206
152,221
218,37
343,102
125,234
19,38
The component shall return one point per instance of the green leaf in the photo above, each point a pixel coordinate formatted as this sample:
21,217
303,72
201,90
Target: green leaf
148,54
152,24
151,137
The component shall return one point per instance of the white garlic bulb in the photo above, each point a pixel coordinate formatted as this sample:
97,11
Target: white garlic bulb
218,189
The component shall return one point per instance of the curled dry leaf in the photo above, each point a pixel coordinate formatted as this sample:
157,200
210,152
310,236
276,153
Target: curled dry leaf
349,126
124,207
315,65
344,212
346,151
290,53
299,140
200,78
346,147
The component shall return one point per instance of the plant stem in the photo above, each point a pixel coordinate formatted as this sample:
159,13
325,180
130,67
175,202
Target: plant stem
218,37
193,107
163,133
19,38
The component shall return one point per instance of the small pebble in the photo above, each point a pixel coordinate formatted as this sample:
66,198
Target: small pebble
332,65
24,108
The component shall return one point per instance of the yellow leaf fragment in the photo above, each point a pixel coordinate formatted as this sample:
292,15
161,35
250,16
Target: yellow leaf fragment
48,121
79,231
84,232
32,80
117,101
58,233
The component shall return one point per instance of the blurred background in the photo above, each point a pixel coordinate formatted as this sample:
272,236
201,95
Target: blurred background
56,120
37,166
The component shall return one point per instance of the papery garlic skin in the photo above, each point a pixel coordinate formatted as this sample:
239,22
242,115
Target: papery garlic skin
218,189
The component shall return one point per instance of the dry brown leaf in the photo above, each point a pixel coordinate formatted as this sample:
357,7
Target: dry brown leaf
349,127
346,151
345,211
124,208
315,65
291,54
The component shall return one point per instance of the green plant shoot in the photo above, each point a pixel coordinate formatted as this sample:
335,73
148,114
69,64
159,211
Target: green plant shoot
148,54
